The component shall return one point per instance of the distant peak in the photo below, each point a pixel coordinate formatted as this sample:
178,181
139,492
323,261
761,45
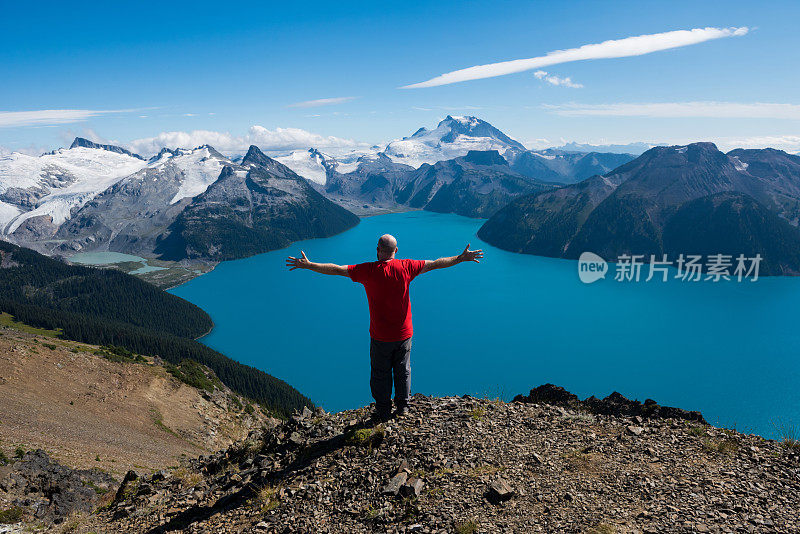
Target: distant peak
255,156
82,142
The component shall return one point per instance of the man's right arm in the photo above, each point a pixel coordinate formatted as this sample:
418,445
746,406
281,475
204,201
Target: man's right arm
441,263
323,268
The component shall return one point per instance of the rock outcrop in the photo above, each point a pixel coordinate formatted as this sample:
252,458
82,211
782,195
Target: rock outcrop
49,492
615,404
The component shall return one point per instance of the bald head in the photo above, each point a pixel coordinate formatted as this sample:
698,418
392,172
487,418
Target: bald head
387,246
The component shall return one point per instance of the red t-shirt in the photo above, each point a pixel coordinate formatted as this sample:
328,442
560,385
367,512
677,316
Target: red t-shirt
386,283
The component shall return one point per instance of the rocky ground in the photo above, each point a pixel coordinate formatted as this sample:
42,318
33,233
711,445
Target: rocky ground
544,463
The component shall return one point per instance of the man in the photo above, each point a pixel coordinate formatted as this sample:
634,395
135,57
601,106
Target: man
386,282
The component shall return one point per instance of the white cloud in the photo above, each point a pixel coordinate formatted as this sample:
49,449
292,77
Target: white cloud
789,143
756,110
322,102
30,150
46,117
277,140
630,46
552,79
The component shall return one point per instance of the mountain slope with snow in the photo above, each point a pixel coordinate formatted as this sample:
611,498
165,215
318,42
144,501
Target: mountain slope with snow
453,137
311,164
130,215
199,166
45,189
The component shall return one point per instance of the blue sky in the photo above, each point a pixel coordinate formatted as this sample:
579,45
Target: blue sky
134,71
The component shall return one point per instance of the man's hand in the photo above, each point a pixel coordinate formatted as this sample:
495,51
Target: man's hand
298,263
441,263
470,255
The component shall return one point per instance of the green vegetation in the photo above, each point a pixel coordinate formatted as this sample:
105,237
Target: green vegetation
3,458
478,413
267,498
119,355
723,446
11,515
97,489
467,527
789,435
365,437
109,307
697,431
603,528
6,319
192,373
19,452
158,420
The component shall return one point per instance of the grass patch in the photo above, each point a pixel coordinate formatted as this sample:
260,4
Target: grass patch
725,446
119,355
469,526
189,477
159,422
582,459
19,452
97,489
484,470
11,515
789,435
6,319
478,413
602,528
697,431
365,437
196,375
267,498
442,472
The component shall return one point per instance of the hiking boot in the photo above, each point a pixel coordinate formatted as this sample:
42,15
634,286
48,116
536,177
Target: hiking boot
402,411
380,416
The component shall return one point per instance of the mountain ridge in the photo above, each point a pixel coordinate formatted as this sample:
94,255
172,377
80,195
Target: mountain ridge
625,211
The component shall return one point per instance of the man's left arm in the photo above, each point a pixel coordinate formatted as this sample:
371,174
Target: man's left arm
441,263
323,268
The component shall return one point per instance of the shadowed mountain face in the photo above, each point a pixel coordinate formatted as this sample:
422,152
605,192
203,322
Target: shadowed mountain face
692,199
254,207
475,185
553,165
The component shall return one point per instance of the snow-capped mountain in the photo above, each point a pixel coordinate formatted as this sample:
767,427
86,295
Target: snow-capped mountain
129,215
311,164
453,137
40,192
200,167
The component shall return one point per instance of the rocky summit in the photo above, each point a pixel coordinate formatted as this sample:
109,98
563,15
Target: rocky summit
543,463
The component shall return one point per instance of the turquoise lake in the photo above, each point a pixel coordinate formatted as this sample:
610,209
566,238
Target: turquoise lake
512,322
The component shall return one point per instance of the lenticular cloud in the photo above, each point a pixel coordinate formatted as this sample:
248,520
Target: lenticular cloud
630,46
